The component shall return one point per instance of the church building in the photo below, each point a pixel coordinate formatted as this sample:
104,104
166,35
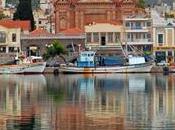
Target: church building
79,13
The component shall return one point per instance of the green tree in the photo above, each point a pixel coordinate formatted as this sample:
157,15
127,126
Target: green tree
24,12
54,49
141,3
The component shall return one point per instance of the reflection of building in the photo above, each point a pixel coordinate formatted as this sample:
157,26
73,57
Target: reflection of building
163,105
107,104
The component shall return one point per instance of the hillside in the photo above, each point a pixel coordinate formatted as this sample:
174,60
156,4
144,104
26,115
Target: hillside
35,3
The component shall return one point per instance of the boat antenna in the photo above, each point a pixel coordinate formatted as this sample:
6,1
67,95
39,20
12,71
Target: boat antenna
123,51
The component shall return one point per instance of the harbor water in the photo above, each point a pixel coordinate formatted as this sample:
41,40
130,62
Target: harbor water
87,102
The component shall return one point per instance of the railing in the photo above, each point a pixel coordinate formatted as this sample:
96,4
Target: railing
136,28
139,40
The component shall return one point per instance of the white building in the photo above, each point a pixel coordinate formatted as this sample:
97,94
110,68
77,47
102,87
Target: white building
44,4
138,32
3,3
43,20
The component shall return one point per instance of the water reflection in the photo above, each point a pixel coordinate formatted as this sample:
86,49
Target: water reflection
83,102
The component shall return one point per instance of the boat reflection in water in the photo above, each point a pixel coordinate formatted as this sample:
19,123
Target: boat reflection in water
83,102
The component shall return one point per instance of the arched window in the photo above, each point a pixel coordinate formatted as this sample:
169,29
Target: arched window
63,24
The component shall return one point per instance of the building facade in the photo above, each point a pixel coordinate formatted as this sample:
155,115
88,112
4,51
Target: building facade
10,35
164,42
36,43
138,32
78,13
104,37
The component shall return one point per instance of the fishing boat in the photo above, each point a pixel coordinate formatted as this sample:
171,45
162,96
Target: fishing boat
87,62
28,65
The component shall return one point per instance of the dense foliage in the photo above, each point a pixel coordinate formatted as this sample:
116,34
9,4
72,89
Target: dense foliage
54,49
35,3
24,12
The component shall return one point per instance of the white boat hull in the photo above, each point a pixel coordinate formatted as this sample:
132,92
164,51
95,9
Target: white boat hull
35,68
144,68
23,68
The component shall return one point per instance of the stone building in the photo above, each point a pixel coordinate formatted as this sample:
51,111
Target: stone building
78,13
36,42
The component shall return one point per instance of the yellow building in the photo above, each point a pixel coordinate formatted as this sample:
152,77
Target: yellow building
104,36
10,33
164,42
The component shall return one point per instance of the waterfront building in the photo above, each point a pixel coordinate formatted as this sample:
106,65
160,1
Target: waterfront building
36,42
138,31
80,13
104,37
164,42
10,35
163,38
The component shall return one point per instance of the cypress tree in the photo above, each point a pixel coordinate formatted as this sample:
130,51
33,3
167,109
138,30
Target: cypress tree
24,12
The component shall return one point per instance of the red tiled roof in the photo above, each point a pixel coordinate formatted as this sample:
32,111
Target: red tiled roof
39,32
8,23
72,31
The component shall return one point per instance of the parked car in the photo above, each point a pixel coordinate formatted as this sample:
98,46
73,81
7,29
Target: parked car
163,63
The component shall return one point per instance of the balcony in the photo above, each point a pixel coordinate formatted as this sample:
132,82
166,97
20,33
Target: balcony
139,41
137,29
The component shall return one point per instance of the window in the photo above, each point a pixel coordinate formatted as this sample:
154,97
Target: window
96,37
40,22
88,36
117,37
11,49
13,37
138,25
128,36
63,24
148,24
2,49
110,37
127,24
160,39
169,53
2,37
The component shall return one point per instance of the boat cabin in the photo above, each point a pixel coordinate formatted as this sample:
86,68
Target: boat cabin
133,60
86,59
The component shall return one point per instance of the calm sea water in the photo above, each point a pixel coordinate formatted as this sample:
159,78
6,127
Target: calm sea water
87,102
